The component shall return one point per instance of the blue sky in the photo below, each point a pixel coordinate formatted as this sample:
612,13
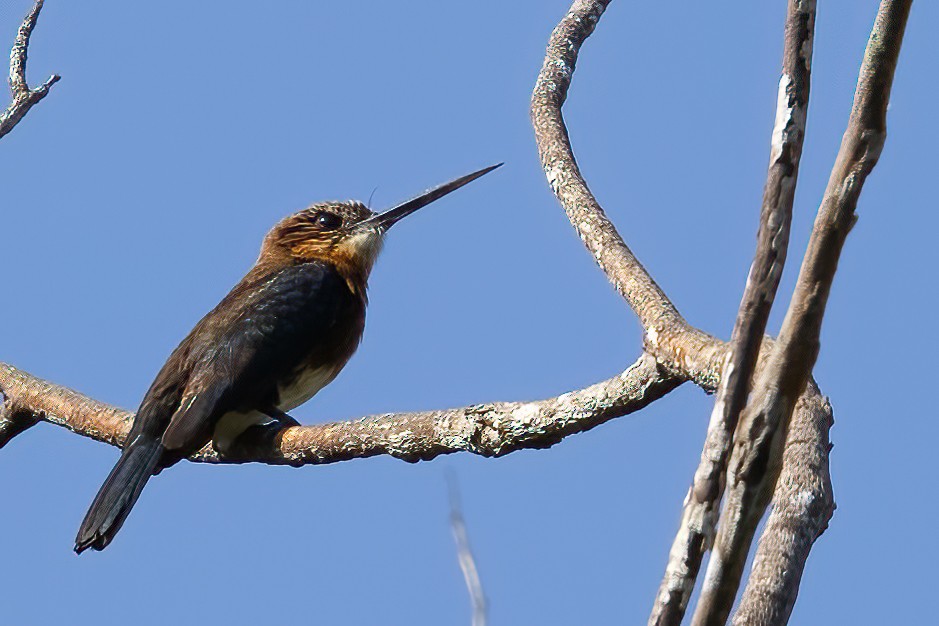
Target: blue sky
138,192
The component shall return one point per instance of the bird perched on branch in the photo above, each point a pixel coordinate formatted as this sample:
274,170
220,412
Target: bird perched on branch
282,334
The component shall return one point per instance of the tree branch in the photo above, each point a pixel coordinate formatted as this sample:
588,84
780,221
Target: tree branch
683,350
492,429
803,503
597,232
23,97
756,459
699,517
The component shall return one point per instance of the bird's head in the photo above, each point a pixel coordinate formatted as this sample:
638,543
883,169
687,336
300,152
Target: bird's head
348,234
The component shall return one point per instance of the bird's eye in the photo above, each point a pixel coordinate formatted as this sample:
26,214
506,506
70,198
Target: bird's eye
327,221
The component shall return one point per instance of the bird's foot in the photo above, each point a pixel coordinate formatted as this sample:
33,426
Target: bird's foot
257,436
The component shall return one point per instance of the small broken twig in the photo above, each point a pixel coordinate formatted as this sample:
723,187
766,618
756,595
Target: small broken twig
23,97
465,555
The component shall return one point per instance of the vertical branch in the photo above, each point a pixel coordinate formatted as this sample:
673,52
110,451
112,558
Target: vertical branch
756,459
23,97
803,504
699,517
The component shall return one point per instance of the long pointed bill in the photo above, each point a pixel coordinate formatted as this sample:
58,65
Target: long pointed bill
388,218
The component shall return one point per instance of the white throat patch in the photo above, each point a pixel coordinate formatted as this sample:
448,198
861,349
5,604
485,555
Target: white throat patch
365,245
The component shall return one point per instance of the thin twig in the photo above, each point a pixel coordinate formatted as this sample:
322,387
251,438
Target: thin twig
757,455
465,555
699,517
23,97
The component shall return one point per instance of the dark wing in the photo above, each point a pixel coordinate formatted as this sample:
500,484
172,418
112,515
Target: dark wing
267,330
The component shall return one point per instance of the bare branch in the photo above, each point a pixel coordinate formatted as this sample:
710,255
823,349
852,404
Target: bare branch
630,278
803,503
699,517
486,429
684,351
756,459
465,555
23,97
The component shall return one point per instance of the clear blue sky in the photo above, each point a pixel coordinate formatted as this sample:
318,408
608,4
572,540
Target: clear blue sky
138,192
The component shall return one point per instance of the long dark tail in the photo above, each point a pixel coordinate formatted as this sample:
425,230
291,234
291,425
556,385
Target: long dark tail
118,494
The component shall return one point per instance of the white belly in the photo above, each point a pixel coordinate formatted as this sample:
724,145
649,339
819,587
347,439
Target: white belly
231,425
305,386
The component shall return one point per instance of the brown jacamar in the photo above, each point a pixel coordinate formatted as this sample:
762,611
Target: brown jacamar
282,334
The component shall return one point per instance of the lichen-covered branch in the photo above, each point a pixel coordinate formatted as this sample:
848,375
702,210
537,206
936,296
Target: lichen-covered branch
760,436
492,429
23,97
803,503
700,513
678,346
597,232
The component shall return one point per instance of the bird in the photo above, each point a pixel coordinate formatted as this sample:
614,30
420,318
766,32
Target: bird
280,335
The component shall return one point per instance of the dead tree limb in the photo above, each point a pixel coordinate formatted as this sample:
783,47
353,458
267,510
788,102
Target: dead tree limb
685,351
760,437
597,232
699,517
492,429
803,504
23,97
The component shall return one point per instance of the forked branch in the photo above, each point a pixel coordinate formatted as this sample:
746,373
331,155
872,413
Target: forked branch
23,97
760,437
699,516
